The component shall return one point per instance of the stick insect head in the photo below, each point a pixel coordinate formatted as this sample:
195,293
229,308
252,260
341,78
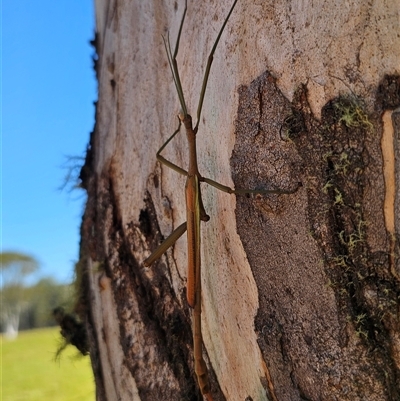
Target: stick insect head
181,115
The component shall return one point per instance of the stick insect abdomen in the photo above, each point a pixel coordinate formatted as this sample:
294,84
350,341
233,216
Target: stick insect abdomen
200,366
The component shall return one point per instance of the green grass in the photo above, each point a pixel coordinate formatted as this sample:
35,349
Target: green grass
29,371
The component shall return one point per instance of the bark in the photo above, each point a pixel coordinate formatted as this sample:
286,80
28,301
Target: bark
300,291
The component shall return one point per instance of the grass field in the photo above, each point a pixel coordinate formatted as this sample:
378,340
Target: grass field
30,372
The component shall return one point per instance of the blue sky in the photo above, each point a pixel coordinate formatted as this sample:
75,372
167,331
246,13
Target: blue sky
48,90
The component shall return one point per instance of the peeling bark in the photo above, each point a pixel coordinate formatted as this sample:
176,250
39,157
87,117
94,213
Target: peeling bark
328,318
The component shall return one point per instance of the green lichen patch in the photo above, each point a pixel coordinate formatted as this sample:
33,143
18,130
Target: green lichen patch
350,111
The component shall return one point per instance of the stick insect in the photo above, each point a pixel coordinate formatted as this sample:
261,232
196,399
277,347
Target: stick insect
195,211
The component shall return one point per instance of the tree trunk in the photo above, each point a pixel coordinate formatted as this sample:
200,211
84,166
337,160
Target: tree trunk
300,291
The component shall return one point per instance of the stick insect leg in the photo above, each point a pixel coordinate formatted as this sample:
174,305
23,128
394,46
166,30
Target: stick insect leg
177,233
208,67
229,190
163,160
174,65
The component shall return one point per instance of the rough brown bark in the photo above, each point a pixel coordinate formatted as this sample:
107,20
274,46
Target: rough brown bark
301,291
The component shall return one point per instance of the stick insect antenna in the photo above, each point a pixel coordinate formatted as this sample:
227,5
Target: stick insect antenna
209,62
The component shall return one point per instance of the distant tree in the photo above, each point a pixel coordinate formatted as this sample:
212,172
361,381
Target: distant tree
15,267
42,298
